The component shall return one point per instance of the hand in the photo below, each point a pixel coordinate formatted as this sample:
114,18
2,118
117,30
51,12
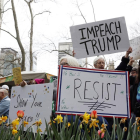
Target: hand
23,83
131,61
73,53
128,52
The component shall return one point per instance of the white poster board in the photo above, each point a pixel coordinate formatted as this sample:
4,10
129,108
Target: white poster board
83,90
35,101
98,38
135,44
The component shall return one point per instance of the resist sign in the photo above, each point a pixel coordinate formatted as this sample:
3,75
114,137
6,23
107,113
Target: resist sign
98,38
35,101
83,90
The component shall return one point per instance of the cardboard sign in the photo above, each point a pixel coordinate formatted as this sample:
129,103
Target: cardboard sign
135,44
83,90
17,75
98,38
35,101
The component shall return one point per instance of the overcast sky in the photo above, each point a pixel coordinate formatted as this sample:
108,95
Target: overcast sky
54,27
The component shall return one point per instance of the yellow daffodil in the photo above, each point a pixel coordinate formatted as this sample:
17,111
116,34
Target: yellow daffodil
93,122
123,120
38,123
103,125
138,128
39,130
25,123
3,119
14,131
68,124
86,116
137,120
85,121
15,123
59,119
125,129
50,123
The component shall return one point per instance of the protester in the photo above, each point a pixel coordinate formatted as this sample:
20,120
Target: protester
126,63
134,72
31,82
69,61
6,87
135,94
4,102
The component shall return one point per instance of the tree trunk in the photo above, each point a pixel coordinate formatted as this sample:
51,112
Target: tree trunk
18,37
31,37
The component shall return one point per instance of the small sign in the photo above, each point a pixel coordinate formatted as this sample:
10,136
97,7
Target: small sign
17,75
135,44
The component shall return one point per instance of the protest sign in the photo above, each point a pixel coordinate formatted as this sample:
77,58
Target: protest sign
135,44
83,90
98,38
17,75
35,101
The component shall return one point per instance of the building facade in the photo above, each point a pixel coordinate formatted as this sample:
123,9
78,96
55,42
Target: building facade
66,48
9,59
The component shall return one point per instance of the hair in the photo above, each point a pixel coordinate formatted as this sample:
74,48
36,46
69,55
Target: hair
96,59
135,69
5,92
70,60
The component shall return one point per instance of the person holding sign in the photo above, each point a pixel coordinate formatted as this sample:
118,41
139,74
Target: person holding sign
69,61
99,62
135,94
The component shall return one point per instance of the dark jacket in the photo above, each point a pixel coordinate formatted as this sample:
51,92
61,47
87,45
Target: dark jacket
123,65
133,94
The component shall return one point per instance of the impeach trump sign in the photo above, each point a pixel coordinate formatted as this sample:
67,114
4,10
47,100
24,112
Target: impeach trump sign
83,90
98,38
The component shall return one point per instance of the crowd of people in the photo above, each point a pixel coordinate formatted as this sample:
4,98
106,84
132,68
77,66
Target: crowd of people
99,63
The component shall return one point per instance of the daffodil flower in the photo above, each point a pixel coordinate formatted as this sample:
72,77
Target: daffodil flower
86,116
14,131
25,123
59,119
93,123
39,130
38,123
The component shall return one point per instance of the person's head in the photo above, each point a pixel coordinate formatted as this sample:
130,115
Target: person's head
69,61
134,72
5,87
99,63
3,93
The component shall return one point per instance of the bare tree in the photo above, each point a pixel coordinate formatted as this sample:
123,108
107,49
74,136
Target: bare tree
17,37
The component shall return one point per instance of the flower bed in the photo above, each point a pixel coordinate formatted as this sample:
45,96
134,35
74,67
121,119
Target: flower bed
60,129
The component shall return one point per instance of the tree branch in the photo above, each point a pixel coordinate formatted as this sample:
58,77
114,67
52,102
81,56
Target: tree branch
9,33
93,9
6,10
80,11
41,13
